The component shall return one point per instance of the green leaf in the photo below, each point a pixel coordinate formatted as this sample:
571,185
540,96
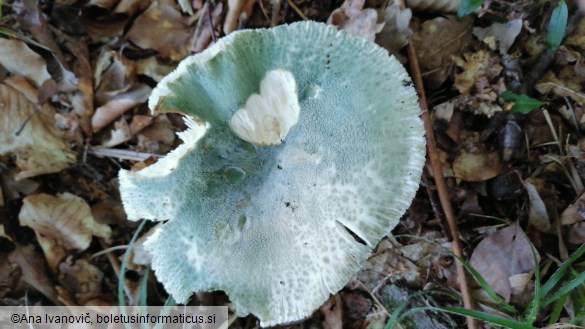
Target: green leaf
489,318
468,6
557,25
522,103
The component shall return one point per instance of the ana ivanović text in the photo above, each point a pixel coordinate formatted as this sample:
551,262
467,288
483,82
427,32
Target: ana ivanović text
112,318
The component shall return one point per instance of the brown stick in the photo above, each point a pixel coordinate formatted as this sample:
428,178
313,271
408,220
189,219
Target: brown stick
440,181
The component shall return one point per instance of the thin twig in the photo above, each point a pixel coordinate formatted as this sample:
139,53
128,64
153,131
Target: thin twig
297,10
19,131
122,154
210,21
440,181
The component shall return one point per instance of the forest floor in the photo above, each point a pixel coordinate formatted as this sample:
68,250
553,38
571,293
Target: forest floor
504,86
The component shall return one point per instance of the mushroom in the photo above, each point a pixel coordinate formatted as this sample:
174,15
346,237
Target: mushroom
303,149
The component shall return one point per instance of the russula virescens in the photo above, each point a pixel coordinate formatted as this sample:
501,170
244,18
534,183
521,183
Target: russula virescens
304,149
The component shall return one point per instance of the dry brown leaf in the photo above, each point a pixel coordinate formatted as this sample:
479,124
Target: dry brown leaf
537,216
333,313
82,280
502,255
2,233
10,275
118,104
475,66
39,147
61,223
152,29
437,42
19,59
550,83
390,264
107,18
504,33
34,271
352,18
238,10
31,19
152,68
475,163
577,38
110,74
396,30
575,212
203,36
577,233
109,211
357,305
158,138
123,132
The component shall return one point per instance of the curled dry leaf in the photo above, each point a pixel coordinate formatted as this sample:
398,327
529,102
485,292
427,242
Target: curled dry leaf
119,104
123,132
19,59
61,223
537,216
501,256
354,19
475,66
81,279
39,147
111,74
396,30
575,212
436,42
152,29
238,10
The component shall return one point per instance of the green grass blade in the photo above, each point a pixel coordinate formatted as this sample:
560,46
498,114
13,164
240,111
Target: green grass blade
566,289
143,288
123,266
395,316
538,295
561,271
556,312
488,289
487,317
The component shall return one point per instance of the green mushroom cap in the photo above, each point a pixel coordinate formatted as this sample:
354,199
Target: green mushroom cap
304,149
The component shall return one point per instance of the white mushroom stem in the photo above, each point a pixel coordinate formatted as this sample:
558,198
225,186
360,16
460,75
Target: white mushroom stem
267,117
